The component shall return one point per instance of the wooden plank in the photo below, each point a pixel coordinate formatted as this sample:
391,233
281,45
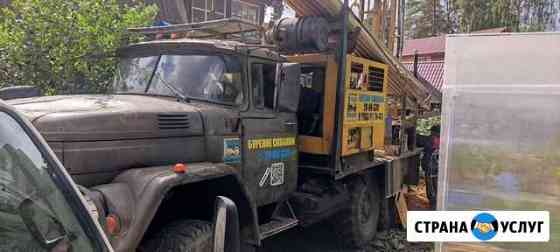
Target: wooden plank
391,26
377,18
402,208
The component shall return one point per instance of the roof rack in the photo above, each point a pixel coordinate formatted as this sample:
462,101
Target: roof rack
213,28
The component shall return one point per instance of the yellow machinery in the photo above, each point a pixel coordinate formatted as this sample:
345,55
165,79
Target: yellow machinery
364,104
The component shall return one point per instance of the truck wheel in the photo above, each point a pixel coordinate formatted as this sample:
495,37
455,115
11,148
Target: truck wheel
183,236
357,224
388,214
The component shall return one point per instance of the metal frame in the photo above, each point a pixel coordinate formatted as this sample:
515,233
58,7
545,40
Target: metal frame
258,8
227,3
202,29
337,146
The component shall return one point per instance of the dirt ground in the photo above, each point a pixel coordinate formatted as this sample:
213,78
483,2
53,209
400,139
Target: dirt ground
322,237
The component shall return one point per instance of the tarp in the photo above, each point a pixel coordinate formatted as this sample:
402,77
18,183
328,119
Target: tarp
501,129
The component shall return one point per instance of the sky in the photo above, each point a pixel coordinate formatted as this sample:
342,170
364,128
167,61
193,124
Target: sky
288,12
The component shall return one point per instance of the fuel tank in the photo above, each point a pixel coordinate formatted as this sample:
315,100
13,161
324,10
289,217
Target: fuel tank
99,136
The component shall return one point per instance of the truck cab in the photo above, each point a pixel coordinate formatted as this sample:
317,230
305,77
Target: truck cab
238,97
212,106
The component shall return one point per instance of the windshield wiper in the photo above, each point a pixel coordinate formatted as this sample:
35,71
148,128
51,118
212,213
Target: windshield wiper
173,89
152,75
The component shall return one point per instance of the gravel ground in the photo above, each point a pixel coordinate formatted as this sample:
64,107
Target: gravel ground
322,238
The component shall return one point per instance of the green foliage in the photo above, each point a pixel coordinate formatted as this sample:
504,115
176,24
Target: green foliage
62,45
482,14
424,125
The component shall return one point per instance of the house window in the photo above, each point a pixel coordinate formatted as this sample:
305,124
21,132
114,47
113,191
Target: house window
206,10
245,11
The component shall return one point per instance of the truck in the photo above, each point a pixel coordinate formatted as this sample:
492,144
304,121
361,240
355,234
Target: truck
42,209
207,113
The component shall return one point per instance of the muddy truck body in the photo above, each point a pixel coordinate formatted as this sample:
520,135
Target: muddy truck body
193,119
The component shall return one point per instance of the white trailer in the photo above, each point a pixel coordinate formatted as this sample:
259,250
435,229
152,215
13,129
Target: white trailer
501,129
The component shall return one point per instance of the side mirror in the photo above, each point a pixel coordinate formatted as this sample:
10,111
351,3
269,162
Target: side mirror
226,226
44,227
288,87
19,92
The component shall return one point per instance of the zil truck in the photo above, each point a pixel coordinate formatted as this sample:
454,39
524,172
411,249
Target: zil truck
42,209
201,116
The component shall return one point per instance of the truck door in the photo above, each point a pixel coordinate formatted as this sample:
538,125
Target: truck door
269,137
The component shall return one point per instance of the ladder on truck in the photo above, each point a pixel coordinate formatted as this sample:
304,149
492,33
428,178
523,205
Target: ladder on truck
227,28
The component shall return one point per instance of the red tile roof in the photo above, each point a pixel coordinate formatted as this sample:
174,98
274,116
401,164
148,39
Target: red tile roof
431,71
424,46
433,45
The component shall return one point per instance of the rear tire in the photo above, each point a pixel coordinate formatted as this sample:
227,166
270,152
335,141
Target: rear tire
431,190
184,236
432,182
357,224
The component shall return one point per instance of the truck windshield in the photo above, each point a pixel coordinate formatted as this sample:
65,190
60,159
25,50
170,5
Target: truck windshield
199,77
34,214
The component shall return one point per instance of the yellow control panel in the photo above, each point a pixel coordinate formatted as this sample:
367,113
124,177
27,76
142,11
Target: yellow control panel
364,103
364,106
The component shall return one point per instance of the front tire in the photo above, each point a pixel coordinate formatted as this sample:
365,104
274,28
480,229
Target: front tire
183,236
357,224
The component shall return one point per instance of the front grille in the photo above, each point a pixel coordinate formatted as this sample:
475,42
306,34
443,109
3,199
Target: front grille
173,121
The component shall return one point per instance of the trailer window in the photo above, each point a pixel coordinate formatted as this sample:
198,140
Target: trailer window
264,87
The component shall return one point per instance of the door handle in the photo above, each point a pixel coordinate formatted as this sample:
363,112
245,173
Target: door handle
290,124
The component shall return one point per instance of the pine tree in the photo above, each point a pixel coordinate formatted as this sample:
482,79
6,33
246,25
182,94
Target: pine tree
518,15
425,18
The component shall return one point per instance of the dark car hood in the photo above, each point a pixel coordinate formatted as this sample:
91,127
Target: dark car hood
110,117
